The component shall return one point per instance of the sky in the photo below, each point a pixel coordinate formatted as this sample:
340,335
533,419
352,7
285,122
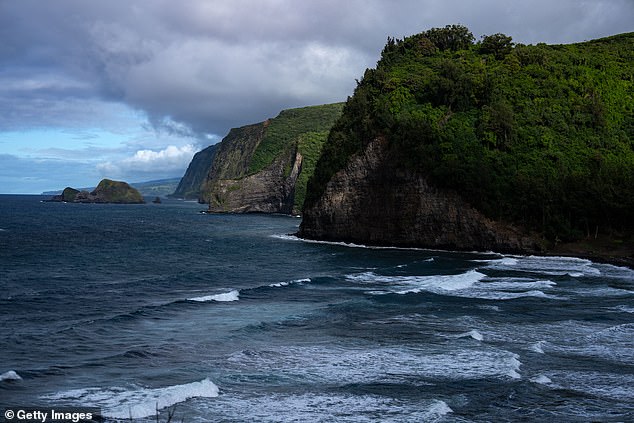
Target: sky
132,89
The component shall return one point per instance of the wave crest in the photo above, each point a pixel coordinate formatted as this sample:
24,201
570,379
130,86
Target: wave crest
225,297
121,403
10,375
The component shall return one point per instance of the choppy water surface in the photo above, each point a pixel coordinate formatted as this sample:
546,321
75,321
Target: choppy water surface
230,319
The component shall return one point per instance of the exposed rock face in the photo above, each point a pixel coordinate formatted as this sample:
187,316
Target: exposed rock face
269,191
374,200
191,183
229,188
235,151
264,167
107,191
229,167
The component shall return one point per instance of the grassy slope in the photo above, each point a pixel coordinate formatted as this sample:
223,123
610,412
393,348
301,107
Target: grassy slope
305,128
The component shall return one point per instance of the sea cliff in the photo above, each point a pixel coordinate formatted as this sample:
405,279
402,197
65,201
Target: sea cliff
264,167
375,200
454,144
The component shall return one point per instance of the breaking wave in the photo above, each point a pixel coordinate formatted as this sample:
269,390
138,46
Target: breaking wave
471,284
225,297
122,403
9,376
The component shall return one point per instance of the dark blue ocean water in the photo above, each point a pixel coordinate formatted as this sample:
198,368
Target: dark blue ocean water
228,318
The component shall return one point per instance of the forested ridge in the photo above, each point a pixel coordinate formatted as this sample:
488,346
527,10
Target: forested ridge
537,135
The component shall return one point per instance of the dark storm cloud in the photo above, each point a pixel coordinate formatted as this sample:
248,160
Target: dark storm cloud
206,66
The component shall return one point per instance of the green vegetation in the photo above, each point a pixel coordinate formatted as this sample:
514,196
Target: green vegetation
286,129
160,187
304,129
310,146
117,192
69,194
538,135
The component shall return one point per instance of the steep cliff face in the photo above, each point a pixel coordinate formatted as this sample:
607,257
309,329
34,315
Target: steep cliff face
197,171
265,167
230,164
375,200
235,151
271,190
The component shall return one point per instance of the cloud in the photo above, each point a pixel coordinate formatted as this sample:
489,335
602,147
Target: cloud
214,65
193,69
169,162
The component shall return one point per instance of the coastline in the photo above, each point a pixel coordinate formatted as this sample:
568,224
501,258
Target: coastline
600,253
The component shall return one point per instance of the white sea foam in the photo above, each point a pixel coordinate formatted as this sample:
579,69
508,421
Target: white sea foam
436,411
287,283
542,380
538,347
122,403
471,284
287,237
385,365
225,297
408,284
347,244
331,407
504,261
475,335
10,375
553,266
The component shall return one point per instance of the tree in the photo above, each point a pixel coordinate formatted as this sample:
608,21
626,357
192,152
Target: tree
497,44
451,37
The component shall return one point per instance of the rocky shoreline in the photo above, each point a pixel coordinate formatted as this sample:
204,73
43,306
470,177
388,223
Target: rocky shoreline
375,201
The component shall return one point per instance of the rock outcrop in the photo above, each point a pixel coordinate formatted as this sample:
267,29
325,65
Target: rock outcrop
374,200
107,191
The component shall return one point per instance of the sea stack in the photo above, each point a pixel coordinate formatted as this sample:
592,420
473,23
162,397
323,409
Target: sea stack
108,191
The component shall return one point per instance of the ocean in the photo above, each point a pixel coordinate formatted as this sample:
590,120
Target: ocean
230,318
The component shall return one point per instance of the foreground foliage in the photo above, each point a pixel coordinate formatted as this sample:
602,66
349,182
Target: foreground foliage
538,135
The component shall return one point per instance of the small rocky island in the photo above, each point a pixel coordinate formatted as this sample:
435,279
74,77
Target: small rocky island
107,191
